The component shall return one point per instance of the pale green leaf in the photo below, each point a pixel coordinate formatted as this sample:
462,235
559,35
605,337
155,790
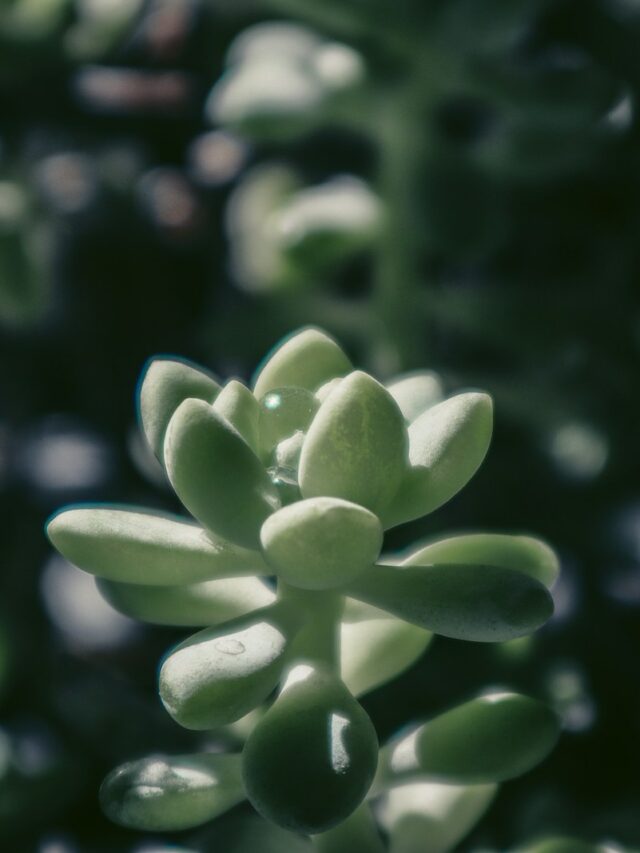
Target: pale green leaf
415,392
492,738
145,547
220,674
191,605
164,384
356,445
521,553
306,359
216,475
429,817
321,542
376,647
239,407
447,444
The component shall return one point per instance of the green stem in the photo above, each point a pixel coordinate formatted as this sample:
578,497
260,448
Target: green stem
334,18
357,834
318,640
402,143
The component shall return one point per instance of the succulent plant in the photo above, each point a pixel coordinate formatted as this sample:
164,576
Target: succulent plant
292,484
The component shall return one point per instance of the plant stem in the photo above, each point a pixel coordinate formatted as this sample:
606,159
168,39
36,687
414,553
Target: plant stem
402,142
318,640
357,834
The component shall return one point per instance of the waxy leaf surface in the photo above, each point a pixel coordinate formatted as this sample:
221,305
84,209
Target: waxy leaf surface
489,739
220,674
465,602
240,408
164,384
415,392
376,647
356,445
306,359
309,762
447,444
216,475
321,542
192,605
521,553
144,547
441,813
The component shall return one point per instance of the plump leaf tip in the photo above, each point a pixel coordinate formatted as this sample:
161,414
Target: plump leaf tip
294,479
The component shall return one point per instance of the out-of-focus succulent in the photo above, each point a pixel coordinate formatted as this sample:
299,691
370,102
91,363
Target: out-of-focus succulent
23,250
295,480
282,234
283,79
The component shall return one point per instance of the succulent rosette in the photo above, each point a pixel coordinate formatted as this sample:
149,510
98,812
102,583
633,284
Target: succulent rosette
291,484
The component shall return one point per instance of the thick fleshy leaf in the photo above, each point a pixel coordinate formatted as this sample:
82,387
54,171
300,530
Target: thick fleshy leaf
240,408
306,359
192,605
216,475
416,392
429,817
309,762
220,674
162,793
447,444
242,831
163,385
488,739
144,547
324,390
376,647
321,542
485,604
357,834
356,445
521,553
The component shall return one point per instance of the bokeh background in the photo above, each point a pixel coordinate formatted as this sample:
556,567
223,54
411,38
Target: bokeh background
452,185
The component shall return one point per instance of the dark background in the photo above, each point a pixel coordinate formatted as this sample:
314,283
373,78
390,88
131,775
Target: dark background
521,229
